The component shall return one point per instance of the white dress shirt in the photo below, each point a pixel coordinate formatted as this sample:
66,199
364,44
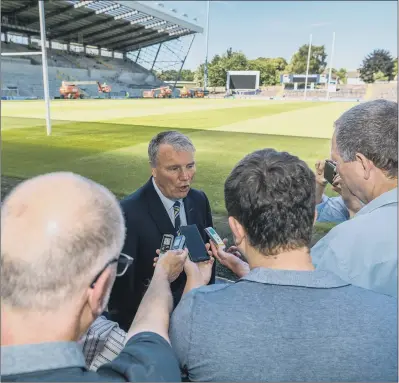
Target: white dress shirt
168,204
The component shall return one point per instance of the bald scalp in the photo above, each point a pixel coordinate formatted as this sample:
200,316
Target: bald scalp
57,232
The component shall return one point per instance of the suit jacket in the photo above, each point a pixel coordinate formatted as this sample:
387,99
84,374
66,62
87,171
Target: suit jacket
146,222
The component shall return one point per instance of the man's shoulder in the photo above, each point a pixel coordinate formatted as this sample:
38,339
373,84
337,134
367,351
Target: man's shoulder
70,374
363,226
206,292
136,198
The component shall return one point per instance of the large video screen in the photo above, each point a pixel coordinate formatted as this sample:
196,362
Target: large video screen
238,81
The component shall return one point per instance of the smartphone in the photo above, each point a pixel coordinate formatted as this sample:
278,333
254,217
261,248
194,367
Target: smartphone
215,238
179,242
330,171
194,243
166,245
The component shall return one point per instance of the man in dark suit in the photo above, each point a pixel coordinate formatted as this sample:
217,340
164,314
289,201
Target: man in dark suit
160,207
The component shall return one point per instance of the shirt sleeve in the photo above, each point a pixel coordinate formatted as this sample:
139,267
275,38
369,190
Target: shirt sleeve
344,252
180,329
332,209
147,357
112,347
96,338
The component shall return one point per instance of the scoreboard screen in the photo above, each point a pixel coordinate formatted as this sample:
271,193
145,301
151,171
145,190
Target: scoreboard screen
242,82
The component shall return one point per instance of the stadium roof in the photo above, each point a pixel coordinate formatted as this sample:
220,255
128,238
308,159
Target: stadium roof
120,25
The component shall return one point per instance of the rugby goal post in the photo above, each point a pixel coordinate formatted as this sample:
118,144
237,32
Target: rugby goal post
43,53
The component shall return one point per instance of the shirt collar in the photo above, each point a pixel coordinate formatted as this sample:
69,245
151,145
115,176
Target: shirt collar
321,279
386,198
167,202
22,359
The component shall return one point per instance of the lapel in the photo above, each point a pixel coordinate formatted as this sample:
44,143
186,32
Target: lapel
157,210
189,208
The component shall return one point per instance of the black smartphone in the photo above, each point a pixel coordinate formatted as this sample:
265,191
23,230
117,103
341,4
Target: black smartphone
194,243
330,171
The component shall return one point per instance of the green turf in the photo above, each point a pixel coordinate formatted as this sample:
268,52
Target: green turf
115,154
213,117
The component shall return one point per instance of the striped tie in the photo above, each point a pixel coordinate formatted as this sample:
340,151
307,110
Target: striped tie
176,210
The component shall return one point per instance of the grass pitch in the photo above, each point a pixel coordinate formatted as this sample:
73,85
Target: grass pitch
106,140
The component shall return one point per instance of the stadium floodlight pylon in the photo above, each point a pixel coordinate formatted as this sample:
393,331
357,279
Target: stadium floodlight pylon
330,69
43,53
307,67
208,6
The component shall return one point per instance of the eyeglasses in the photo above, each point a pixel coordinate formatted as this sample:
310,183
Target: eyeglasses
124,261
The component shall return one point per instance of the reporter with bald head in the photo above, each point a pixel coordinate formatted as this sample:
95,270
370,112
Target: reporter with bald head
61,241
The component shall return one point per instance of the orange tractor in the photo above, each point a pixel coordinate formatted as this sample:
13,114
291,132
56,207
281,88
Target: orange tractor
162,92
191,93
72,90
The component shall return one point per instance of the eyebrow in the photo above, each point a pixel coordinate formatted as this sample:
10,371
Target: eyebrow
179,166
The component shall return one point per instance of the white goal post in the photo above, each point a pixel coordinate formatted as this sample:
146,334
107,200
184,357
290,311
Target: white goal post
43,53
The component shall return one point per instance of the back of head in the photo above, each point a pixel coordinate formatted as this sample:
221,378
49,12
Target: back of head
57,232
370,128
272,195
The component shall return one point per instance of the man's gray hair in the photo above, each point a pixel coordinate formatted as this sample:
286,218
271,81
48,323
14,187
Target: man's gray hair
178,141
58,231
371,129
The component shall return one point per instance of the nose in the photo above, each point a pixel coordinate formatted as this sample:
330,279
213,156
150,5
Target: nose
184,175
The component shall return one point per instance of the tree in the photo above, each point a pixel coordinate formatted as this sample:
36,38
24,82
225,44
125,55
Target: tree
219,66
199,75
395,68
380,76
380,60
317,62
342,75
270,69
172,75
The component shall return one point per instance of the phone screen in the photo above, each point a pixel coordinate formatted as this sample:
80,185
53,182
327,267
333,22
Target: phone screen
330,171
195,245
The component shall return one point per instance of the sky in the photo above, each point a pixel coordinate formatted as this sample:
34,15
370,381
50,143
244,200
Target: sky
279,28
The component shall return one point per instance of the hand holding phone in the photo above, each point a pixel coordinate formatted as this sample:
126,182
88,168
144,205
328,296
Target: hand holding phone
215,238
330,171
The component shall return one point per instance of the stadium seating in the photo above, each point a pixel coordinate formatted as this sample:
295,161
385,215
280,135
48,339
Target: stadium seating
25,72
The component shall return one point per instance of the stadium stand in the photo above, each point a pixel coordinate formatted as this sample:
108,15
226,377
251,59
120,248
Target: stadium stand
75,29
387,90
344,92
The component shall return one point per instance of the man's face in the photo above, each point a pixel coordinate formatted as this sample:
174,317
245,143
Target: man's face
351,173
174,172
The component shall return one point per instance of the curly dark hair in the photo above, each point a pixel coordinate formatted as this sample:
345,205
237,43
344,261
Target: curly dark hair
272,195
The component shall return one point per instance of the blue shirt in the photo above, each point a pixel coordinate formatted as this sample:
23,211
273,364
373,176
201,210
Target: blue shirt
332,209
286,326
363,251
168,204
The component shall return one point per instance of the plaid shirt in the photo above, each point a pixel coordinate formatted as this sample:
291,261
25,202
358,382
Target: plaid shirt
102,343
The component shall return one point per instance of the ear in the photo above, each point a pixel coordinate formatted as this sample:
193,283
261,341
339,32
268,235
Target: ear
237,230
365,164
98,294
153,171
